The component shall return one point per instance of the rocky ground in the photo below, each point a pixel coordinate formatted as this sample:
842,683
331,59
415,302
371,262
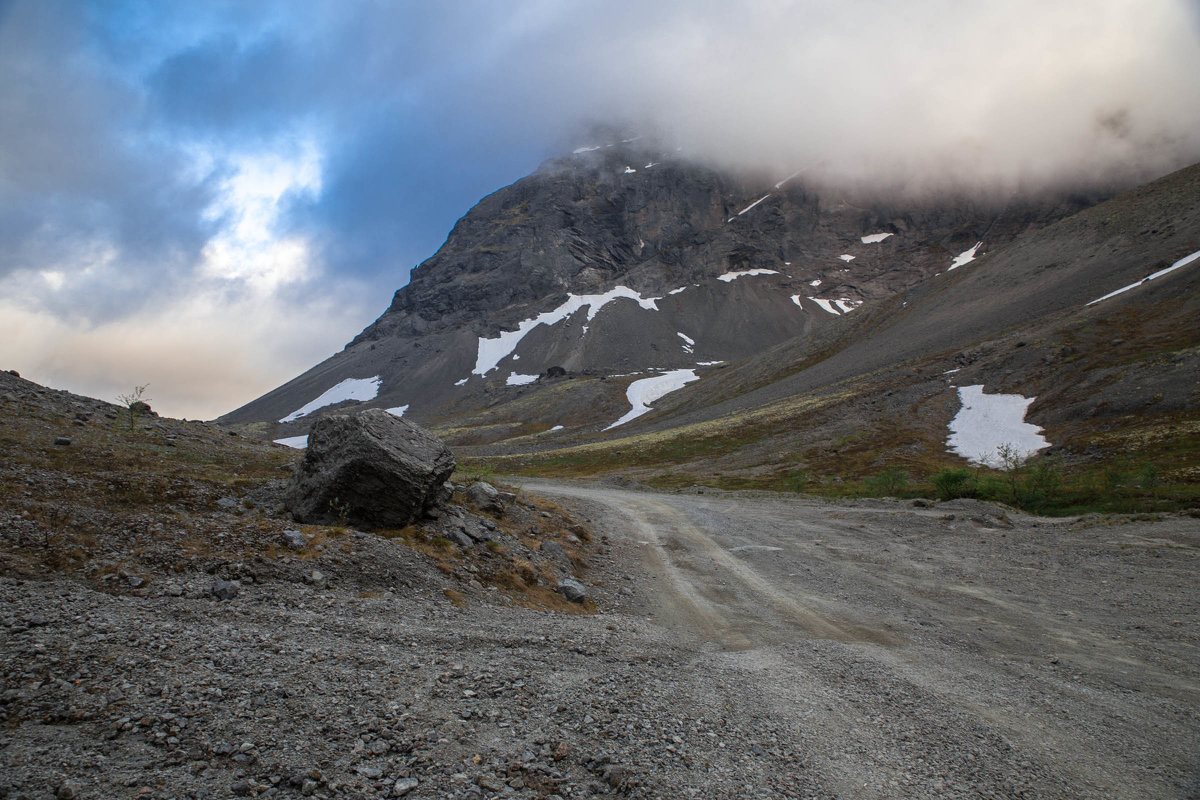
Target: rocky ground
173,645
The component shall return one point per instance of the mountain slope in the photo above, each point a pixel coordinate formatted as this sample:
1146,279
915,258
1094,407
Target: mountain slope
623,259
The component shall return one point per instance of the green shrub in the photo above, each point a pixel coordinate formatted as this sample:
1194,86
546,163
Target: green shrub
795,480
953,482
890,481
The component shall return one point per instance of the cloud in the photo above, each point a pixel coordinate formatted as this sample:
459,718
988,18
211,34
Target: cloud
183,186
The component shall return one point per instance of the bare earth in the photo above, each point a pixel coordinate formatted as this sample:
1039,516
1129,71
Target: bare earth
747,646
924,652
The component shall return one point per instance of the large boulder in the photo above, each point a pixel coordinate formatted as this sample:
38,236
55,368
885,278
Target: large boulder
371,470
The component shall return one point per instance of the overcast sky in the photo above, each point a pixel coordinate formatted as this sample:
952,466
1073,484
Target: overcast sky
210,197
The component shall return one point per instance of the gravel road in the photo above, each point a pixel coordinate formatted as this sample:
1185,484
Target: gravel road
949,651
746,646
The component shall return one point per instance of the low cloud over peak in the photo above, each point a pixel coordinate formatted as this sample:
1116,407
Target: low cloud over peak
208,157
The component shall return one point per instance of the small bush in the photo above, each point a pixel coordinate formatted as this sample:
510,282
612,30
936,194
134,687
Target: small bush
953,482
795,480
890,481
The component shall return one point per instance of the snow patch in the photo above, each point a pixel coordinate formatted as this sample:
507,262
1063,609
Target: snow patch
987,421
846,257
349,389
708,363
644,392
493,350
752,205
826,305
398,411
796,300
298,442
788,178
1183,262
875,238
630,170
515,379
817,282
686,338
965,257
557,428
733,276
579,150
651,164
463,382
847,305
677,291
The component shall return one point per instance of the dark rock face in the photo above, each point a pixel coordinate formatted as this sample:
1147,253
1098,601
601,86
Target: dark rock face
372,470
674,232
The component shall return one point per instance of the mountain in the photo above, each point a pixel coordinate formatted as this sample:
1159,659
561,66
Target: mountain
632,259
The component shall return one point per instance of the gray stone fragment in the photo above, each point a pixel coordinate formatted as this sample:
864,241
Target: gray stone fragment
295,540
223,589
555,552
173,590
372,470
572,590
63,441
485,496
404,786
460,538
228,502
316,579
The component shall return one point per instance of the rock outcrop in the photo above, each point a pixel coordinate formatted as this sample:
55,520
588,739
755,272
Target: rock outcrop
372,470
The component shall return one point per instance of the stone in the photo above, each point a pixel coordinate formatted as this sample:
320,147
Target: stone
555,552
485,497
173,589
371,469
223,589
572,590
227,502
460,538
136,582
67,790
404,786
295,540
316,579
63,441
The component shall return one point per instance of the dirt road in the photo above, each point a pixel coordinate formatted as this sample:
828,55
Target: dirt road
953,651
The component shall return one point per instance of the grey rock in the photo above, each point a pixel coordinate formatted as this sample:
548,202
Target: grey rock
295,540
136,582
371,469
572,590
404,786
223,589
460,538
485,497
172,590
63,441
316,579
228,502
555,552
67,790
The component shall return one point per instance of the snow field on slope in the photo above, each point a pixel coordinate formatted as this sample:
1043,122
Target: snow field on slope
965,257
987,421
349,389
398,411
515,379
846,257
1183,262
729,277
298,442
493,350
875,238
644,392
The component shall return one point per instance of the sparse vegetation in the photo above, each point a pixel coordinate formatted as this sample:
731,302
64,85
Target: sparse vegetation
135,402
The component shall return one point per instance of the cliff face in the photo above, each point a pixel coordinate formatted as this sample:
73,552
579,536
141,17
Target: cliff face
636,259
